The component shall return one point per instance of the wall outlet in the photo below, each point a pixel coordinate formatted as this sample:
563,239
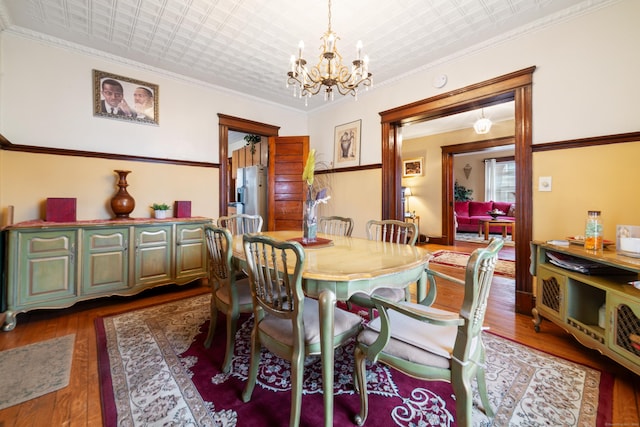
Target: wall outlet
544,183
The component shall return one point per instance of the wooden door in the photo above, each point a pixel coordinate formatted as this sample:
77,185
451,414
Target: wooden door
287,157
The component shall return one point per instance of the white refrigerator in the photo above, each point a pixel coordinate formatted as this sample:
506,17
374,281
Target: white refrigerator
251,191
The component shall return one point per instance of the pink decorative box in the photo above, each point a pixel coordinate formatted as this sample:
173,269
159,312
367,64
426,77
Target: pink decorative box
60,209
182,209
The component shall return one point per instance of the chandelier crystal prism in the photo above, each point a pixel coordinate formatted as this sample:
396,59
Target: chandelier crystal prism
329,73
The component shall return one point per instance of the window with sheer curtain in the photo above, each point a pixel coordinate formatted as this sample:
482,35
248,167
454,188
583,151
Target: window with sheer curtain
500,180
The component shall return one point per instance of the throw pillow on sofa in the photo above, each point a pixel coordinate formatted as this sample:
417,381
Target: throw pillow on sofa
503,207
462,209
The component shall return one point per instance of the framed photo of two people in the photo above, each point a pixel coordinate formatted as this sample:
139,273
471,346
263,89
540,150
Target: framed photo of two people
123,98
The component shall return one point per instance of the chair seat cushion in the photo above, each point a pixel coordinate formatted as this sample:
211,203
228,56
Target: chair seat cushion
244,293
393,294
282,329
413,340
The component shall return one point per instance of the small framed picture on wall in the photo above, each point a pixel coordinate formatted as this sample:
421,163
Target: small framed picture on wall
123,98
412,167
347,145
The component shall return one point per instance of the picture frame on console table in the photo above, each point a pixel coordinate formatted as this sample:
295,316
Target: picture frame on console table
123,98
347,145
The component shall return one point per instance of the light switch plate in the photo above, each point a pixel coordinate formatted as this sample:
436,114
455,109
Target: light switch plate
544,183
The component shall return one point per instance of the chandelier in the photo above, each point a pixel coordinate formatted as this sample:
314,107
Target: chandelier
329,73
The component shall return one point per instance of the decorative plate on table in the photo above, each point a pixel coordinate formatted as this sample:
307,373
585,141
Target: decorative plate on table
579,240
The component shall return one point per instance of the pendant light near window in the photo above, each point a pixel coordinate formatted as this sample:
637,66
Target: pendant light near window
482,125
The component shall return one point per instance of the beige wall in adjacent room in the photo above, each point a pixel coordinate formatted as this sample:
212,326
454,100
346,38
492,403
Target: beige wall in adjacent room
603,177
29,179
426,190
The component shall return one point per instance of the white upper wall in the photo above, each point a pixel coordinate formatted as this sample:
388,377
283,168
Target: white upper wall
47,101
585,83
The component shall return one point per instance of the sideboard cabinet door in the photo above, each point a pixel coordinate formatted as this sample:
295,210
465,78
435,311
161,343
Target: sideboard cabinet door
46,268
191,252
623,319
153,254
105,263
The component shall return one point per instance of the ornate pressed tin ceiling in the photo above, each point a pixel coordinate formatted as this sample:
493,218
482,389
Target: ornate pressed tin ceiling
245,45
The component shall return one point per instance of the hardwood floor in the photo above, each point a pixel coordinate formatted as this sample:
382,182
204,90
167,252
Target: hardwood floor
79,403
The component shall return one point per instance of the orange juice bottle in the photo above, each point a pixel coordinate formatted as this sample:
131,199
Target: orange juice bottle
593,231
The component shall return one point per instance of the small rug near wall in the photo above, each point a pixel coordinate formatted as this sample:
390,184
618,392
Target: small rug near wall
154,370
459,259
34,370
474,238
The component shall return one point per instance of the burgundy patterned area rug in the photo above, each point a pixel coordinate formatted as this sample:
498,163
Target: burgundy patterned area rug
459,259
154,370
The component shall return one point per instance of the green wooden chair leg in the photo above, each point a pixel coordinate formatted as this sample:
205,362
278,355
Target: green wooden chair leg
254,364
212,323
482,389
360,370
232,321
297,374
464,397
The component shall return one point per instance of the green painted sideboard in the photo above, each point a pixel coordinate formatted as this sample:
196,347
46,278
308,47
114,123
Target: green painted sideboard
590,297
54,265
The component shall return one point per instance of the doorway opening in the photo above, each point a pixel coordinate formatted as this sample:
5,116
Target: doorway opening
517,87
227,124
490,184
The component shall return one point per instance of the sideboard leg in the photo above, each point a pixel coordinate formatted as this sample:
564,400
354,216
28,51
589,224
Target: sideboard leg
537,319
9,321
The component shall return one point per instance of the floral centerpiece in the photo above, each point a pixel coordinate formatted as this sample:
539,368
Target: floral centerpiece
313,197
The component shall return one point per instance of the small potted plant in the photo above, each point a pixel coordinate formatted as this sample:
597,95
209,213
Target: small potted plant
160,210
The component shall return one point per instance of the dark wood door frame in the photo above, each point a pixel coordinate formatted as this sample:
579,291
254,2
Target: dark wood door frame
448,151
514,86
230,123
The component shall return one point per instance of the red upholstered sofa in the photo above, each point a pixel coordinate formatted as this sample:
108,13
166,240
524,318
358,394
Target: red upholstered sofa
468,214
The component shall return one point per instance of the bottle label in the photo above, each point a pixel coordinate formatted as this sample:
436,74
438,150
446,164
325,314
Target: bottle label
593,235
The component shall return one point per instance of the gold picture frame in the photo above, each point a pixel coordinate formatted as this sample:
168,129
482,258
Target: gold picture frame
413,167
347,144
123,98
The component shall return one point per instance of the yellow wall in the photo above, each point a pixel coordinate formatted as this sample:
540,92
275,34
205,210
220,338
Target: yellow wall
355,195
603,177
26,180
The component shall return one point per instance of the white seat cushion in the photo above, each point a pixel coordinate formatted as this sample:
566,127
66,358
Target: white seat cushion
393,294
282,329
414,340
244,293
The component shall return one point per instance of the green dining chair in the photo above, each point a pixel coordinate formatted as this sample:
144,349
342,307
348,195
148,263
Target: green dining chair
433,344
335,225
230,295
241,223
286,322
388,230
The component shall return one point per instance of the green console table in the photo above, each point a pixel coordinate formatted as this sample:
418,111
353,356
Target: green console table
54,265
597,306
